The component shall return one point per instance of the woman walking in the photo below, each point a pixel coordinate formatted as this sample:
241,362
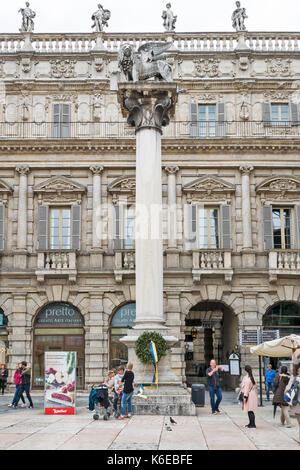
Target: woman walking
280,382
18,384
3,377
127,379
248,388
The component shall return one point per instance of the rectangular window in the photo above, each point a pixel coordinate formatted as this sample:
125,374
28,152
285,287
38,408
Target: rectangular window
207,120
60,228
209,237
280,114
283,228
61,123
129,228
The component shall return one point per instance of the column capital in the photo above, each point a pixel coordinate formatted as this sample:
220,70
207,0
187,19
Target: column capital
96,169
23,170
171,170
246,169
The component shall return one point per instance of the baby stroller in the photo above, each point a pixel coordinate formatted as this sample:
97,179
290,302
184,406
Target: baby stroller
103,401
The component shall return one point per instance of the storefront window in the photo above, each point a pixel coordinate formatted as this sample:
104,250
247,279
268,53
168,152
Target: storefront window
123,319
58,327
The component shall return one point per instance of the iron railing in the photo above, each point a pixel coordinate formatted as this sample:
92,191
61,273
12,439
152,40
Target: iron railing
176,129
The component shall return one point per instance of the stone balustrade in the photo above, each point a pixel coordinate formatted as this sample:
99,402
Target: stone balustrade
212,262
201,42
124,261
56,263
283,262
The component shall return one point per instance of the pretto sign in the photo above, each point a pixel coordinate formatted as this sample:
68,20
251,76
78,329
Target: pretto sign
59,315
60,383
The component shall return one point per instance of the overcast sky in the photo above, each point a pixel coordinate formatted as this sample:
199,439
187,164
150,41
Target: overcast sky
145,15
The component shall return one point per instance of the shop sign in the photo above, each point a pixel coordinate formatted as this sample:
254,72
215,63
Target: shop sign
59,315
125,316
60,383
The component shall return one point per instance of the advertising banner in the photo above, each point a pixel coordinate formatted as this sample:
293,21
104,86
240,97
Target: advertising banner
60,383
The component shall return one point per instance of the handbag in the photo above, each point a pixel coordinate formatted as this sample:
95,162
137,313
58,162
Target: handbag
241,397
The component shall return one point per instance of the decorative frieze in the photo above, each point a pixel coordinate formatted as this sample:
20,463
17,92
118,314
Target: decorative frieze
59,190
207,68
280,188
208,188
63,68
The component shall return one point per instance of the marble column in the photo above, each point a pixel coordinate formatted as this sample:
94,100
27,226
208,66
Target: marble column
20,259
147,110
97,251
172,250
248,255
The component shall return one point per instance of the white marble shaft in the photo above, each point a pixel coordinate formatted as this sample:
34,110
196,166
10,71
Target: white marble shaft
246,206
22,209
97,228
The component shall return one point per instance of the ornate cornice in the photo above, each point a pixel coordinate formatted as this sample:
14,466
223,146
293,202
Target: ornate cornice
246,169
96,170
280,188
208,188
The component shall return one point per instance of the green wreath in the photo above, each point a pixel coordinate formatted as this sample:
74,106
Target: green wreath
142,348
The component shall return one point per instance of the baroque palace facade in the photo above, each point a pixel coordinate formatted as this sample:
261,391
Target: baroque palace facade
231,194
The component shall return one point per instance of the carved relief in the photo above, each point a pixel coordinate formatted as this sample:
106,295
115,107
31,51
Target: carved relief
99,64
5,191
26,65
207,68
63,68
279,67
59,189
209,188
283,188
123,186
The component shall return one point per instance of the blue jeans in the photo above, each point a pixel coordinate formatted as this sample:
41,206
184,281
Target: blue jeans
126,400
268,385
24,388
212,392
16,395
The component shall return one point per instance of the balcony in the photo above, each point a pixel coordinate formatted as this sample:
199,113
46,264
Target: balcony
283,263
124,264
56,264
204,130
212,262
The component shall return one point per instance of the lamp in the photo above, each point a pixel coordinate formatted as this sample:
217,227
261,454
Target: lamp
194,333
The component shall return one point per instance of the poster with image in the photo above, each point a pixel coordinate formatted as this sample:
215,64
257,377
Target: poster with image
60,383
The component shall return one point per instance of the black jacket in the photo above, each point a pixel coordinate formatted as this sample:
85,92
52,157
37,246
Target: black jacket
4,376
280,383
26,376
213,380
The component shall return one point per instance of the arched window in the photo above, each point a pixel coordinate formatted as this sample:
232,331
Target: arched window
284,317
58,327
122,320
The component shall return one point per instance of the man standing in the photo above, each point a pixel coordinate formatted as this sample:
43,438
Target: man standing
214,388
118,389
270,376
25,385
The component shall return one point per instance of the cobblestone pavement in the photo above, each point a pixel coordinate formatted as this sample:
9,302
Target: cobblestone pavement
25,429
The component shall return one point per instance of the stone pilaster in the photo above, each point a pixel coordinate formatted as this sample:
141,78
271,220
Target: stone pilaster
96,257
20,258
172,250
248,257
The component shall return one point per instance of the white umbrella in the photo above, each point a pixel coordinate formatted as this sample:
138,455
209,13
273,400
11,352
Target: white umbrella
282,347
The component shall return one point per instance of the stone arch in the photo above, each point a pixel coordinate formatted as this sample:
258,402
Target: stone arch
6,304
211,293
283,294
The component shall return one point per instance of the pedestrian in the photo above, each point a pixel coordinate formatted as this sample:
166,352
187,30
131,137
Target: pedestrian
110,382
25,385
3,377
280,383
127,379
18,384
118,389
213,381
296,402
270,376
249,404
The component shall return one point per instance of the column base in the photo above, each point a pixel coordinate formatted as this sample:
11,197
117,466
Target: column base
172,257
20,259
96,258
248,258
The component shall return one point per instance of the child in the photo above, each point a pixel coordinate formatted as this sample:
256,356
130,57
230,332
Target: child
127,379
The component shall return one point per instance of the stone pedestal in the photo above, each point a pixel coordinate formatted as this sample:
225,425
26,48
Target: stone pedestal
147,106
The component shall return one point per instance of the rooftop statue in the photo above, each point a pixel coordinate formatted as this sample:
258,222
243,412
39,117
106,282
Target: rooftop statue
27,19
169,18
148,62
100,18
238,18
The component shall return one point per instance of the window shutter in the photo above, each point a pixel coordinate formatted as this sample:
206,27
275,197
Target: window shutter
194,131
221,120
294,114
297,223
226,243
118,218
43,227
268,227
2,227
56,121
65,120
266,114
190,226
76,227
